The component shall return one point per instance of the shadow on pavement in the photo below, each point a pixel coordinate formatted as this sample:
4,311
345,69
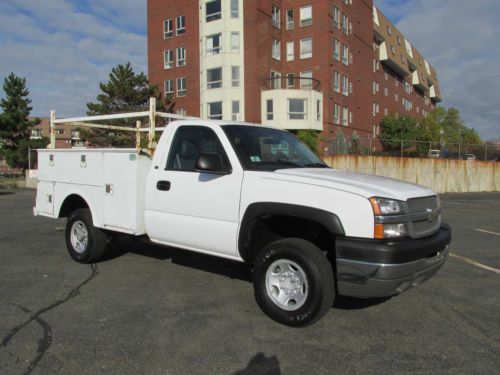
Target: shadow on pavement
259,364
220,266
6,192
351,303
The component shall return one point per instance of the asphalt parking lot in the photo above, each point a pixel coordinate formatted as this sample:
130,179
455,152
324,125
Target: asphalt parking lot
150,310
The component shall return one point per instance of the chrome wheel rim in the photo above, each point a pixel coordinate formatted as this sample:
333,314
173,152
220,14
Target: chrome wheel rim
79,236
287,285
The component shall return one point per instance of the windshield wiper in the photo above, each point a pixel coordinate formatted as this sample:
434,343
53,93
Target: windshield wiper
283,162
316,165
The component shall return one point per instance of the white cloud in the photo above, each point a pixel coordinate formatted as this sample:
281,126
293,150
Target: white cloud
461,39
65,49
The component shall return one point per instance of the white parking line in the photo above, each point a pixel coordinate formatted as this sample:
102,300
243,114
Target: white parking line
487,231
474,263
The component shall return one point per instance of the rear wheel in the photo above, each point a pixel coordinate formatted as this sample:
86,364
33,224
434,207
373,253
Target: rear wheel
85,243
293,282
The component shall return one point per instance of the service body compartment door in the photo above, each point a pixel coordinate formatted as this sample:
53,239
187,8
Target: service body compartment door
45,198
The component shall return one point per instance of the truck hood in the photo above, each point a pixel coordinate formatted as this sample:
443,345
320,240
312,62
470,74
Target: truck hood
358,183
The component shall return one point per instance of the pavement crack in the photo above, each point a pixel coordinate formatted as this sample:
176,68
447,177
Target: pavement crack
36,315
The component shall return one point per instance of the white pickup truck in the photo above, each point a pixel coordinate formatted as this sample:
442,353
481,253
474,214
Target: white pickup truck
252,194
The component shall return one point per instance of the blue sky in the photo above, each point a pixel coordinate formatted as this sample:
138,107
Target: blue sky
66,47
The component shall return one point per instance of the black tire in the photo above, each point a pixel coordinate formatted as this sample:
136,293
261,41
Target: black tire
320,284
93,248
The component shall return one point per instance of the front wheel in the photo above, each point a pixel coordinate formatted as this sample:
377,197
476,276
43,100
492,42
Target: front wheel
85,243
293,282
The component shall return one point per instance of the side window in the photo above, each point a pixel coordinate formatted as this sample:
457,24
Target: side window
189,143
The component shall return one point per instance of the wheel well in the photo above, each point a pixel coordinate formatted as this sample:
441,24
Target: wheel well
268,228
71,203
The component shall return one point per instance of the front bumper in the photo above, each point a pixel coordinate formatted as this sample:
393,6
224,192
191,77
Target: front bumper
381,268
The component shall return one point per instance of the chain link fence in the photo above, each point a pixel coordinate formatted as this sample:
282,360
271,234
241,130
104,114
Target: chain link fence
488,151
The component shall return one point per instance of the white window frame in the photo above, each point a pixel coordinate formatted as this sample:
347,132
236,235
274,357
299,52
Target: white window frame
171,89
269,114
292,115
168,28
290,23
336,17
235,115
304,22
180,54
182,29
216,116
345,54
306,54
275,83
213,16
345,85
276,49
168,62
235,37
307,82
213,50
336,114
288,77
181,83
336,49
345,24
276,16
345,116
235,9
214,84
290,50
235,76
336,81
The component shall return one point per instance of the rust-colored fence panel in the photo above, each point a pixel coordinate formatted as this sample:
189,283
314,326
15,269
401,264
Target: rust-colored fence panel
441,175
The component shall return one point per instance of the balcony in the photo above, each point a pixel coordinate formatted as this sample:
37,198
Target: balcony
392,59
434,93
292,103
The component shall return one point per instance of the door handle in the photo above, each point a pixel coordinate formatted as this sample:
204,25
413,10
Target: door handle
163,185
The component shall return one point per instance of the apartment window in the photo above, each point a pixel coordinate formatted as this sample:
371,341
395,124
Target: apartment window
393,50
336,17
396,97
181,86
59,131
75,134
306,48
215,111
345,54
276,50
168,29
345,116
214,78
36,133
345,85
275,80
181,111
336,49
213,10
336,114
399,40
336,81
296,109
180,23
386,76
235,76
235,8
386,111
290,80
375,87
276,16
290,51
306,79
235,42
289,19
235,110
169,87
168,59
318,110
306,16
389,30
386,91
181,56
269,110
214,45
345,23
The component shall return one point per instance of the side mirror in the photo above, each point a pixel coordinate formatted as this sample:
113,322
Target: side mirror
210,163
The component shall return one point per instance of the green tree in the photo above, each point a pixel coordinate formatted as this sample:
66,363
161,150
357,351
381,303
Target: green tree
15,124
309,138
125,91
396,128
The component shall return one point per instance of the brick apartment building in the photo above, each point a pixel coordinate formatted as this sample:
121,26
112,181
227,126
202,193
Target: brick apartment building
317,64
66,136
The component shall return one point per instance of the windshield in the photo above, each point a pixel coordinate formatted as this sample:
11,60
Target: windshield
260,148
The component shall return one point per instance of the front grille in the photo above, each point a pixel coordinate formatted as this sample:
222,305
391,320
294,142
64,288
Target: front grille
422,204
423,228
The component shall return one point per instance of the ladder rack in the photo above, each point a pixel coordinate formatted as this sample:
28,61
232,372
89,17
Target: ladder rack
90,122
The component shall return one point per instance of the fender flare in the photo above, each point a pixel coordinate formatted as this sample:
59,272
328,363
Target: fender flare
256,210
84,197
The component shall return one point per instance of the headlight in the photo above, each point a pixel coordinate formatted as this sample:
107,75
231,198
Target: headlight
385,206
382,208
